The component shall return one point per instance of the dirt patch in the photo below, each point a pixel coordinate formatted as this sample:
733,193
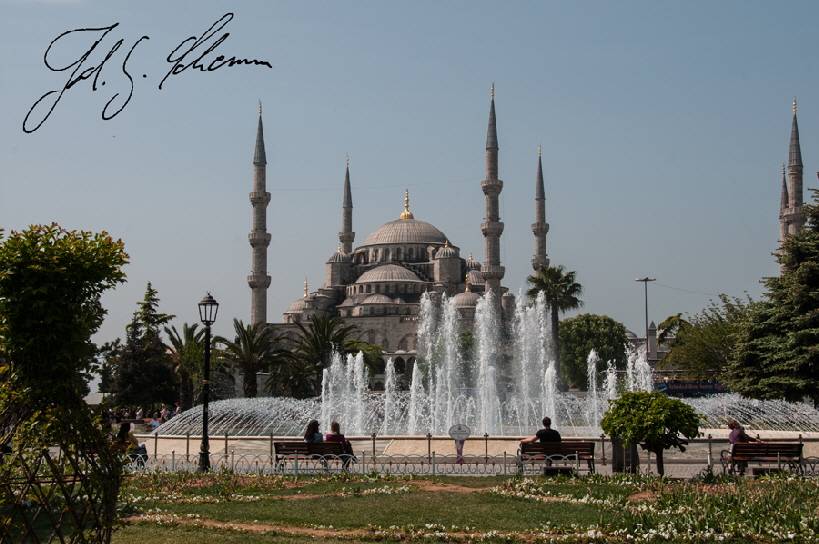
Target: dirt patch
647,495
448,488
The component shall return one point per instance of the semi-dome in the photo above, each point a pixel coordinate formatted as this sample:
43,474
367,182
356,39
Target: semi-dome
475,277
466,300
297,307
339,257
405,231
377,298
446,252
388,272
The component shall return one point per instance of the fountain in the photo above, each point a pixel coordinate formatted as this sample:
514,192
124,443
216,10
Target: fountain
494,391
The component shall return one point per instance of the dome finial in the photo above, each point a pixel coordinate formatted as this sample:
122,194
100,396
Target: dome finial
493,90
538,149
794,105
348,160
305,287
260,107
467,279
339,248
406,214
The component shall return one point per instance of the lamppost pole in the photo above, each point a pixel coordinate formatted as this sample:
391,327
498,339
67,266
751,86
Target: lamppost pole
645,283
207,314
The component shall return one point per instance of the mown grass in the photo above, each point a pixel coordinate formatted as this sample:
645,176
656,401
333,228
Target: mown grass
586,509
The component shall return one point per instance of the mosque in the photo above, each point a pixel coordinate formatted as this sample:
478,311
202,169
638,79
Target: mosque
377,286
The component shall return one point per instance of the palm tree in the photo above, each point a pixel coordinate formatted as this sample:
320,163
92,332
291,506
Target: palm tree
253,351
318,341
560,292
187,351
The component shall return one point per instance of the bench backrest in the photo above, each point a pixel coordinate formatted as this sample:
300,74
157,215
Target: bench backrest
755,449
308,448
567,447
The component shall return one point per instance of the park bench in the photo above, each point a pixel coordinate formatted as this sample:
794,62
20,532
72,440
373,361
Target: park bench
736,458
321,451
550,452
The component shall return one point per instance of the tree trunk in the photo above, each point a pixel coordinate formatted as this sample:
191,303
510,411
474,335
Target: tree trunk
249,385
658,457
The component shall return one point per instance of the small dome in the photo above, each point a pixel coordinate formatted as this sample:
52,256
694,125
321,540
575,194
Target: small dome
446,252
388,272
377,298
475,277
339,257
630,334
297,307
400,300
347,303
466,300
405,231
472,264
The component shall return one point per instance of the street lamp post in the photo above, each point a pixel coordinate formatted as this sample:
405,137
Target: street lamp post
207,314
645,283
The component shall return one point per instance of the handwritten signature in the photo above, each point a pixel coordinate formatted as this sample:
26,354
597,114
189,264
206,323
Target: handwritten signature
190,53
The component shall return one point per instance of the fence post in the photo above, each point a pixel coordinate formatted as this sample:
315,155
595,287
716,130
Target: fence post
232,461
173,460
504,463
486,448
156,438
373,436
226,443
271,444
433,463
603,447
710,453
429,446
296,464
187,446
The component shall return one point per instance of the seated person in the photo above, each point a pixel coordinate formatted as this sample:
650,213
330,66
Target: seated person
312,433
738,436
336,436
546,434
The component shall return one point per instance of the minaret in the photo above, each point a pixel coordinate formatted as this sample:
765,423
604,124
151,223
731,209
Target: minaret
259,238
795,219
347,236
492,228
784,202
540,227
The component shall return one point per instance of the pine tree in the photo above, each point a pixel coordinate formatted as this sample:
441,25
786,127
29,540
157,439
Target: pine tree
778,347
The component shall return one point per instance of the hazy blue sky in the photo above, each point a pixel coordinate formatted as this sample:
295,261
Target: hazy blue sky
664,128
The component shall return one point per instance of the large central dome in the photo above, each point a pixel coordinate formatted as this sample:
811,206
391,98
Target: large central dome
405,231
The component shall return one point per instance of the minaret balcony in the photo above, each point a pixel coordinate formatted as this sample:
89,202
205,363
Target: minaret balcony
259,239
540,229
493,228
492,187
260,198
258,281
493,272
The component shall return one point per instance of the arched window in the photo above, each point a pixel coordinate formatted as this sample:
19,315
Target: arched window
402,344
400,365
409,254
398,254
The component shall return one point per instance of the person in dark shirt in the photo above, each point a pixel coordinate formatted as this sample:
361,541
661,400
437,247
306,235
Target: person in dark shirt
546,434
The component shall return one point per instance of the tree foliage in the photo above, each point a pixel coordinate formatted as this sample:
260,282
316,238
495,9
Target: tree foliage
583,333
652,419
778,346
251,352
51,280
703,345
187,357
561,293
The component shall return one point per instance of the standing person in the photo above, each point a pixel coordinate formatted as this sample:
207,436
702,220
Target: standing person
312,433
546,434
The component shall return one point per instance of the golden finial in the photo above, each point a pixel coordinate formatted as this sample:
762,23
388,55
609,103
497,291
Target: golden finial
470,255
447,243
493,90
260,107
305,287
348,160
538,150
794,105
339,248
407,214
467,280
783,170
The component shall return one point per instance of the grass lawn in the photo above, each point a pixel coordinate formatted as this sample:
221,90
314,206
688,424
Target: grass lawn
224,508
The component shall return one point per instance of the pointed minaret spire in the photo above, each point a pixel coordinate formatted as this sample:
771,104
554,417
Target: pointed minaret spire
492,227
795,199
784,203
347,236
259,280
540,227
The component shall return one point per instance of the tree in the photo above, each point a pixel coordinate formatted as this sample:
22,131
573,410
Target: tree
652,419
777,352
703,345
318,341
143,373
187,356
252,352
51,281
583,333
560,292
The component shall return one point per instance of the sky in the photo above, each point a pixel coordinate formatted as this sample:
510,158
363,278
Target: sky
664,127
